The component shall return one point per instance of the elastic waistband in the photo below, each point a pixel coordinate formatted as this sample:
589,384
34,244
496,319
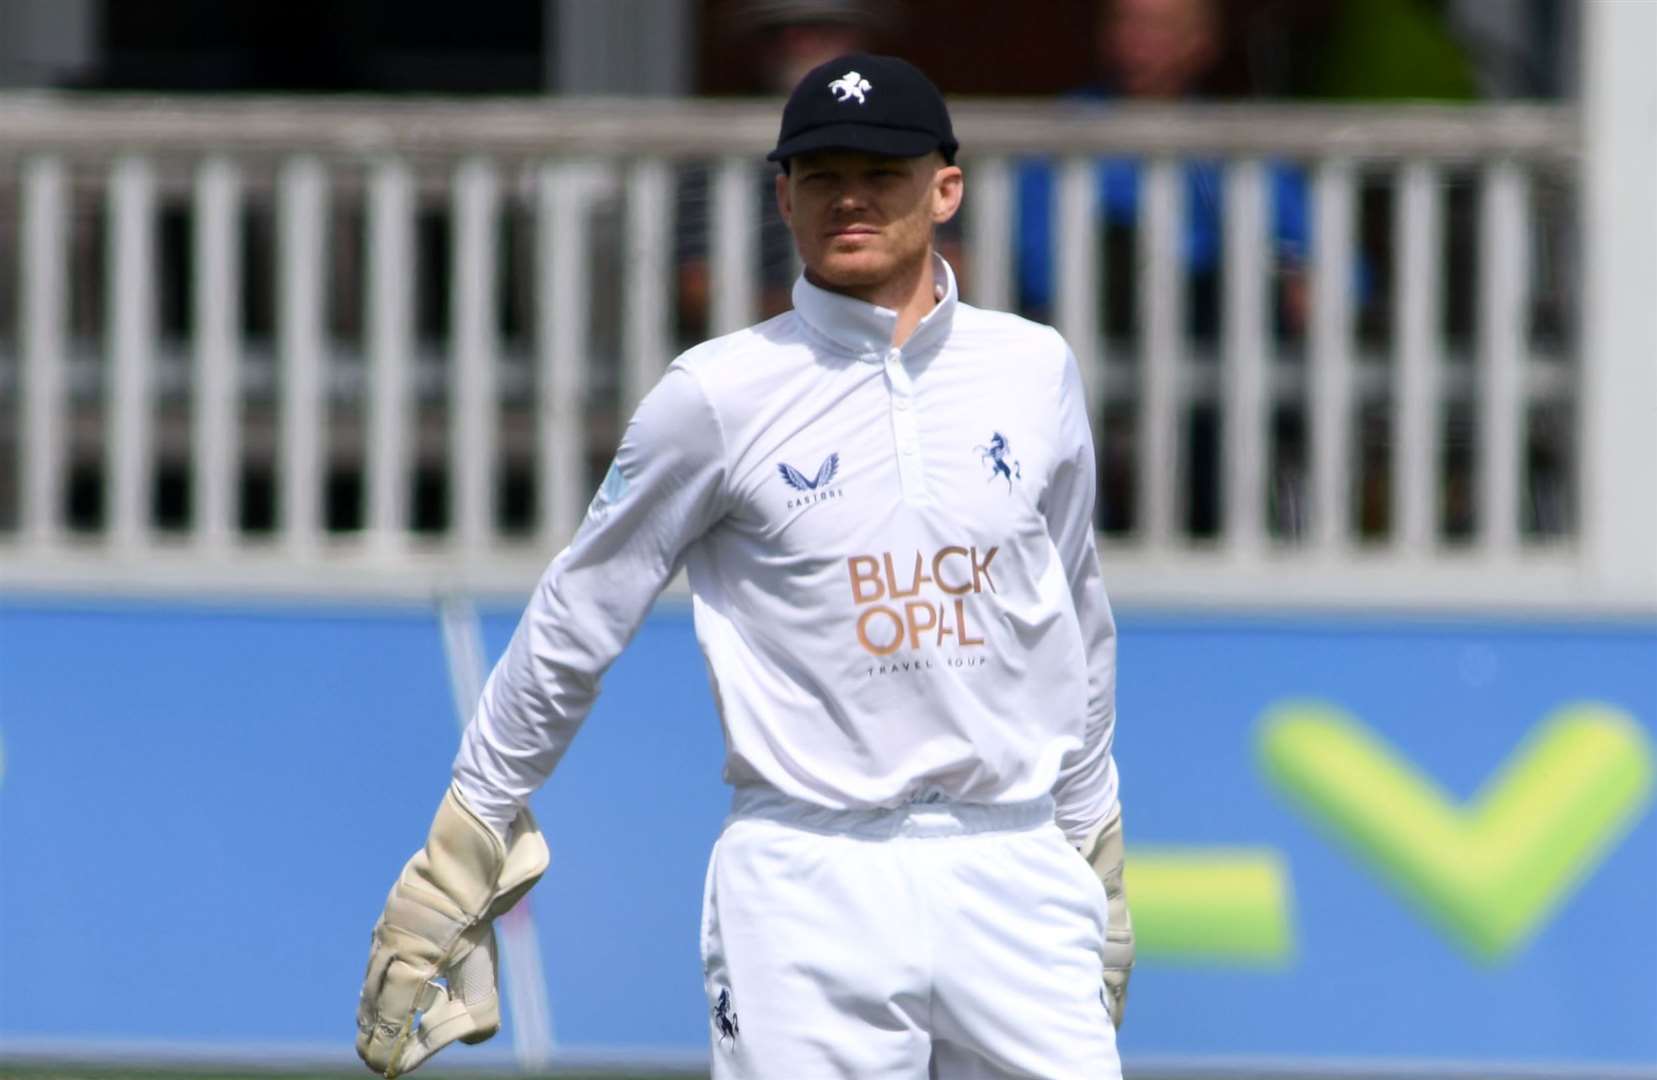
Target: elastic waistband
914,819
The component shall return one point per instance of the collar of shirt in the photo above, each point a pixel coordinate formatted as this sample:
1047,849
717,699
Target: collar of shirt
865,329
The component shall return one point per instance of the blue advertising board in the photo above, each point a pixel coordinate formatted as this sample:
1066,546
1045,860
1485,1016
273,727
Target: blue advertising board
1349,837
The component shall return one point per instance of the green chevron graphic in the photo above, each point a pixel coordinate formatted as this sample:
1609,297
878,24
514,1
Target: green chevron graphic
1225,906
1491,872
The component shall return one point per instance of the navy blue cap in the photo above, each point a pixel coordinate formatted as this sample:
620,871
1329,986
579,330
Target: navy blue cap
876,104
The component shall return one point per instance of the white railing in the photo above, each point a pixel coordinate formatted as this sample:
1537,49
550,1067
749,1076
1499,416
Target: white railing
508,426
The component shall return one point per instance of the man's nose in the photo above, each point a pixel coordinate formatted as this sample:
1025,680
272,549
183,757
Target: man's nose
851,197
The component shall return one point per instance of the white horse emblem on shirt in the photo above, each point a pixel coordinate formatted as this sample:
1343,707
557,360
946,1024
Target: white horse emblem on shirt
850,85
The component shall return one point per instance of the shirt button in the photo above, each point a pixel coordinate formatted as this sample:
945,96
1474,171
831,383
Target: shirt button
909,448
900,403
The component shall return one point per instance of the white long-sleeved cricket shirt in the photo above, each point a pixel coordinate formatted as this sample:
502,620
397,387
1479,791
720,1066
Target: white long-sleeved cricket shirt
891,558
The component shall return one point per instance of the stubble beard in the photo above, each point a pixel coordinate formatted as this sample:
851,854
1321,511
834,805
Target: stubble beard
865,273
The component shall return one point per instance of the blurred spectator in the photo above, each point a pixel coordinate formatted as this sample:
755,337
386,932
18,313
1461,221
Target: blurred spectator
793,36
1162,50
1155,50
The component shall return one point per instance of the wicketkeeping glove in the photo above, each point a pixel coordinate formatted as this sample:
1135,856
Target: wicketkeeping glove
438,924
1104,854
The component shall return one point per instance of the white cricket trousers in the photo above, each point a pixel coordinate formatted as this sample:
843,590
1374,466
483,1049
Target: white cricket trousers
936,941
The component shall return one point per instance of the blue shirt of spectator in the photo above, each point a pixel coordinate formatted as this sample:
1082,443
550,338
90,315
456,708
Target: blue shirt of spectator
1118,186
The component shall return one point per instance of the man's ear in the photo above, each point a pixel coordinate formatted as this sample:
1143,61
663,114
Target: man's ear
785,205
948,187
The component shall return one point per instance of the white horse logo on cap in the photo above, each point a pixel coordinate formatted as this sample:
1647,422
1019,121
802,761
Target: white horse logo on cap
850,85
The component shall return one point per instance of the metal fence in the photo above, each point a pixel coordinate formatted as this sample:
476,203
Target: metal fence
388,346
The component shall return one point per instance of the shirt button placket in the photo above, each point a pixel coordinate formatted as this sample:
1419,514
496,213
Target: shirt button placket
904,431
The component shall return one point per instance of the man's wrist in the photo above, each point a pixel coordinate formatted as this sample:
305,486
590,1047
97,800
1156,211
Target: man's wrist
488,806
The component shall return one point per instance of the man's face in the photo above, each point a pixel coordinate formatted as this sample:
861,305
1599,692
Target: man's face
860,220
